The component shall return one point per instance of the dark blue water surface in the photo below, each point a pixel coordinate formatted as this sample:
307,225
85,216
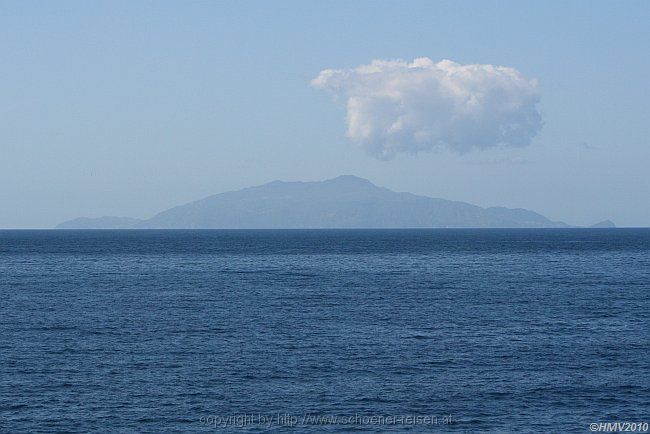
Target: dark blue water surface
174,331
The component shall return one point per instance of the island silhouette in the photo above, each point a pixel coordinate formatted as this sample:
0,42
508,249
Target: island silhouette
346,201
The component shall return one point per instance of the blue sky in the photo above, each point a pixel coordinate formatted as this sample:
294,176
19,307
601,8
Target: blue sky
128,108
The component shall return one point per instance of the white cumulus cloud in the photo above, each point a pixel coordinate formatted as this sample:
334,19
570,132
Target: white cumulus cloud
396,106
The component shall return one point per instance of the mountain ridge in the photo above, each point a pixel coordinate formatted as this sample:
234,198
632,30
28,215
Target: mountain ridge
346,201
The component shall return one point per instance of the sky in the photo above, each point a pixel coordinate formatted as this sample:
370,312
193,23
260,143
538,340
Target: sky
130,107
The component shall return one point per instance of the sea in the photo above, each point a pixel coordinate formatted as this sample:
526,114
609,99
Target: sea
486,330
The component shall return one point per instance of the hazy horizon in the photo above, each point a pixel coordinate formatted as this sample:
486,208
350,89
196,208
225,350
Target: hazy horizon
283,196
442,250
129,108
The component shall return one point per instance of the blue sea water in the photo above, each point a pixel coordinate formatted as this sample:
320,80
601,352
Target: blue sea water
175,331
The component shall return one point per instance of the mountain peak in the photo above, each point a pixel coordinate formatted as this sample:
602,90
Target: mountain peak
348,180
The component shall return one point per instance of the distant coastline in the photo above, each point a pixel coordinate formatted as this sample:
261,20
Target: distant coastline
339,203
